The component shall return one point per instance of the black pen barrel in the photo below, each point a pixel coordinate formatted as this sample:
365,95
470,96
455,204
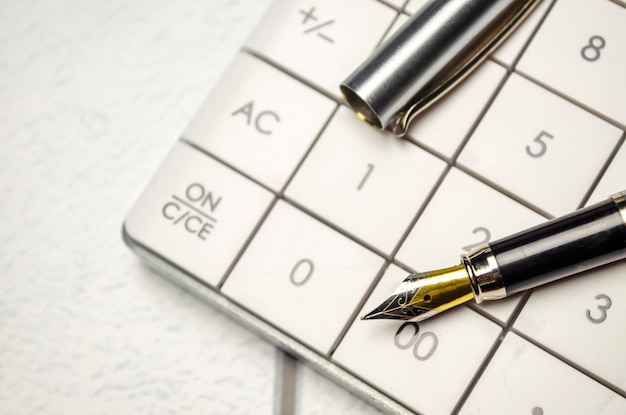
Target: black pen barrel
574,243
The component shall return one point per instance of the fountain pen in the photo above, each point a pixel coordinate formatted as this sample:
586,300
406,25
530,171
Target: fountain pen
582,240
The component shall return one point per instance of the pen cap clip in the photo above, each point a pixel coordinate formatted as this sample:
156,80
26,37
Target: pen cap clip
430,54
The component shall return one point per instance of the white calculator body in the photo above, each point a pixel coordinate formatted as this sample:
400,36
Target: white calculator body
283,210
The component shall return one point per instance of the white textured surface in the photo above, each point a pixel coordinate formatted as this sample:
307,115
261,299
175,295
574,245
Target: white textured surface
92,96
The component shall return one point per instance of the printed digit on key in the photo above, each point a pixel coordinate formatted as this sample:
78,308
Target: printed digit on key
591,51
602,309
486,237
299,278
416,341
540,149
370,169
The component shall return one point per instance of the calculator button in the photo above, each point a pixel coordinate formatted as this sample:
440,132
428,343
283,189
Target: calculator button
369,183
509,51
250,120
522,379
422,365
463,214
302,276
322,40
530,136
463,105
613,180
582,319
197,213
579,51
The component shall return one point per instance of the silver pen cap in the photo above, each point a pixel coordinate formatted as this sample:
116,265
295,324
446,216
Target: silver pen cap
428,56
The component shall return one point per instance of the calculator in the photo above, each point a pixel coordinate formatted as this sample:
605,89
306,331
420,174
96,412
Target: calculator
283,210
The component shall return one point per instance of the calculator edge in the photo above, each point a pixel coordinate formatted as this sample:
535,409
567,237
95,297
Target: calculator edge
268,332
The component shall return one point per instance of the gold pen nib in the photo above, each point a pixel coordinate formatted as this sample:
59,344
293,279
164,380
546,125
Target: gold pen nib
425,294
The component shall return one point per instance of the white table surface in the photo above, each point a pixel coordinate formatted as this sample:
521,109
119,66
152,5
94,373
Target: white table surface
92,96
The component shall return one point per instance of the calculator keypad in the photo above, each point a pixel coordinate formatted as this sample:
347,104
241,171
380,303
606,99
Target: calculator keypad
281,200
